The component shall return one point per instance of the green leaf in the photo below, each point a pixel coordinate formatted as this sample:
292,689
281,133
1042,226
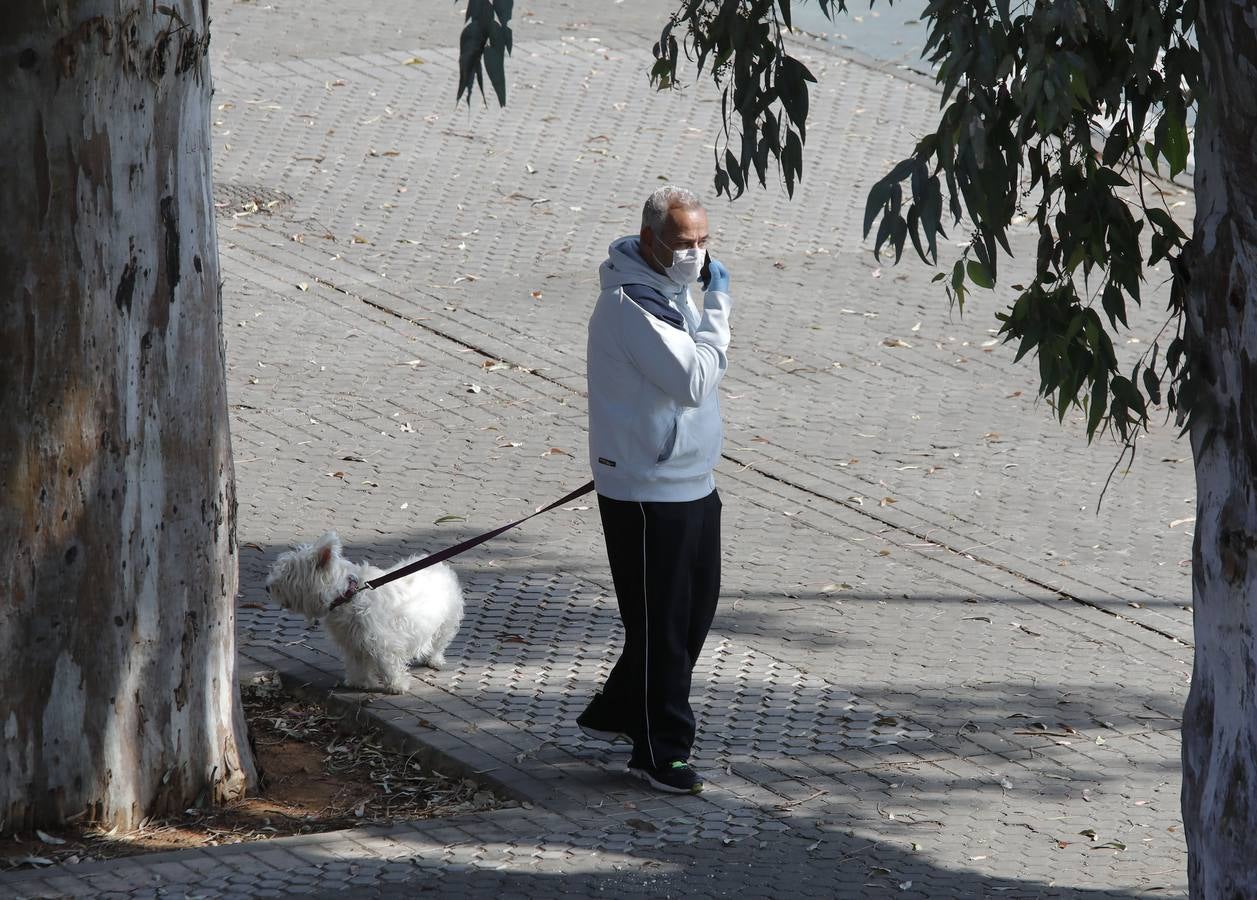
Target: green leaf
1128,394
1176,143
1114,304
879,194
784,6
494,62
979,274
735,171
792,156
1098,405
792,84
958,283
1152,386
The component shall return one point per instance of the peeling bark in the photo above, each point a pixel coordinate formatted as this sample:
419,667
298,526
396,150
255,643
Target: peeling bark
1220,720
118,694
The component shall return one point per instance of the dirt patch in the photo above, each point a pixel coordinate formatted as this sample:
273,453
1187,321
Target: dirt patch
314,777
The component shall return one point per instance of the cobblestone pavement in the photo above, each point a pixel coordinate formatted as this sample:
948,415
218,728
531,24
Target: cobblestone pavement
937,671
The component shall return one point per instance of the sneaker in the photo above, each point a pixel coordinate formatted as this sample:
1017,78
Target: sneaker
674,777
611,737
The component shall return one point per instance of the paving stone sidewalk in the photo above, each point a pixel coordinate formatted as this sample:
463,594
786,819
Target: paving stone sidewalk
937,670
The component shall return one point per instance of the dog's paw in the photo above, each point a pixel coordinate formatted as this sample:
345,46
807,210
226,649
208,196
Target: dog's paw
436,662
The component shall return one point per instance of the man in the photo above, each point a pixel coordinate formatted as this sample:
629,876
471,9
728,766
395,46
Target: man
654,363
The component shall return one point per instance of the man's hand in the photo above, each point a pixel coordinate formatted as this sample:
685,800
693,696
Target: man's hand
719,280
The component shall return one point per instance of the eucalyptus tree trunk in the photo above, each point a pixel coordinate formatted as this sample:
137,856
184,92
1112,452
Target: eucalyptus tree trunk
1220,721
118,696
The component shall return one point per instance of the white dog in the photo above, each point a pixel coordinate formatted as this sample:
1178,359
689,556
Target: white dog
380,632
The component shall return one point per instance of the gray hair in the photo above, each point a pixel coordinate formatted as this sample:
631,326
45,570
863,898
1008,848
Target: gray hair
655,212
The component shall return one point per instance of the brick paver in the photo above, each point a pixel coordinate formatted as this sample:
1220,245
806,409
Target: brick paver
937,671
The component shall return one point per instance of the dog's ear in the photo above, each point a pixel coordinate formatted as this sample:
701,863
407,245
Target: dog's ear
325,549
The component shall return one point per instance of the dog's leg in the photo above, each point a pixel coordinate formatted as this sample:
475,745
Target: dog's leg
444,634
356,673
421,654
394,675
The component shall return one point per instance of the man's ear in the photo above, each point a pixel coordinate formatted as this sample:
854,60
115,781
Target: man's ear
649,247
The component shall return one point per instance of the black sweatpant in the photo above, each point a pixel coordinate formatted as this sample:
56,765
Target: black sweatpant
665,562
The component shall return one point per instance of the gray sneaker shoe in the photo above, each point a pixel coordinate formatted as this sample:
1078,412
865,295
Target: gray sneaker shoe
675,777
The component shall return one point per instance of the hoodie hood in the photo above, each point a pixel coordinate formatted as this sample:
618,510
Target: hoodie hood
624,265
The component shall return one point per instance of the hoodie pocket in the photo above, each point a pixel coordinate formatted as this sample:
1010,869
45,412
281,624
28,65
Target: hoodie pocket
687,449
669,442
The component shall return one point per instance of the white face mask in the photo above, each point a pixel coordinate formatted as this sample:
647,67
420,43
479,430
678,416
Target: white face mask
686,265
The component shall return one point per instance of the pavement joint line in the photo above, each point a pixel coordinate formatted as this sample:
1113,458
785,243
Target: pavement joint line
1064,595
439,332
959,570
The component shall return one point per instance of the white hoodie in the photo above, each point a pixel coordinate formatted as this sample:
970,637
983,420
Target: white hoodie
653,365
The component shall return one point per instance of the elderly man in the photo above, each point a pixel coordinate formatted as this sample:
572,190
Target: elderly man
655,359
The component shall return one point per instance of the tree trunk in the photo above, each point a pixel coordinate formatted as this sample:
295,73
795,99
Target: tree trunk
1220,721
118,694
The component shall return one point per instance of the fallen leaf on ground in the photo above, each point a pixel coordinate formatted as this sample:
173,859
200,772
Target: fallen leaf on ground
445,519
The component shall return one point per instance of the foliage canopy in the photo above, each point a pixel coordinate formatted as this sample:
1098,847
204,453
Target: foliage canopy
1053,117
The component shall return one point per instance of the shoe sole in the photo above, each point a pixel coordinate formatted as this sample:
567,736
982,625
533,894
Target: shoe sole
611,737
659,785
